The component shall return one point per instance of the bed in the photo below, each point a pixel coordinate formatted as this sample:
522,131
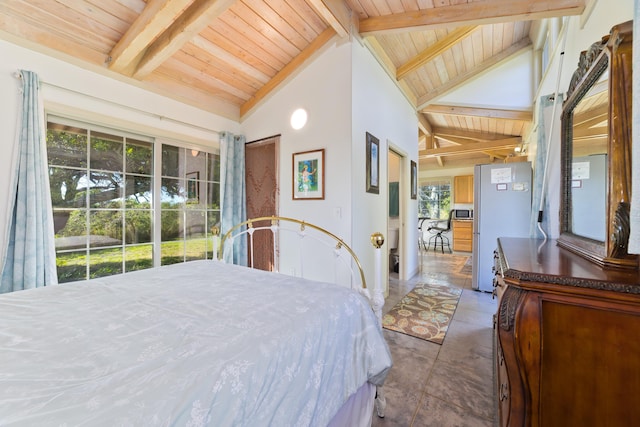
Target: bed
193,344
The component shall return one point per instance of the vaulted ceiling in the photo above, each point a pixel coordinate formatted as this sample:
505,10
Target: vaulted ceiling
226,56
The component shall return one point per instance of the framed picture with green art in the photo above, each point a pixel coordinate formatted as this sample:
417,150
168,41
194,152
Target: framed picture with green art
308,175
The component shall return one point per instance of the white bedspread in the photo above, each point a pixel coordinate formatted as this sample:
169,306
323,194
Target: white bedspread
201,343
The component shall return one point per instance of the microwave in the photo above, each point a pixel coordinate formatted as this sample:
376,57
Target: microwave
463,213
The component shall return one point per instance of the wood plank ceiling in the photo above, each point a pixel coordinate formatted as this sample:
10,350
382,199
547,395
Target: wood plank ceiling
226,56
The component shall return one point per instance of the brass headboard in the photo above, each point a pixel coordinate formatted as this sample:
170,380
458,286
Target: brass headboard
248,227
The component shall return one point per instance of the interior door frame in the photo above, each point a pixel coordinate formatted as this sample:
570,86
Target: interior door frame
403,190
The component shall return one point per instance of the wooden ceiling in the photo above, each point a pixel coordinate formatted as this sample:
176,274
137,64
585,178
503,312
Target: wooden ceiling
226,56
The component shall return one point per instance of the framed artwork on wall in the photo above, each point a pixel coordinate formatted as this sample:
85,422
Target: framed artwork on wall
373,164
414,180
308,175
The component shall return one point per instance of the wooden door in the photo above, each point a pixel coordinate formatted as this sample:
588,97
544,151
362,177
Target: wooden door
261,162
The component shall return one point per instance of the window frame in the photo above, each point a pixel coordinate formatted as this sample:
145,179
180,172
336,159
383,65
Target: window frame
85,248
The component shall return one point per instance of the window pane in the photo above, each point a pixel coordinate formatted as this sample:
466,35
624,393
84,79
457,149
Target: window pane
174,194
213,167
196,162
106,189
196,226
138,192
137,226
139,157
70,228
105,262
106,152
138,257
213,218
435,199
68,187
172,252
71,266
171,160
106,228
172,225
195,190
213,195
66,146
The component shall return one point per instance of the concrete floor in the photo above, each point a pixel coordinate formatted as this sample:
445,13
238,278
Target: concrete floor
449,384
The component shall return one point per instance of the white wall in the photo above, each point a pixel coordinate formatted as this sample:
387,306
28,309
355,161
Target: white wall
508,85
380,109
82,94
346,94
322,88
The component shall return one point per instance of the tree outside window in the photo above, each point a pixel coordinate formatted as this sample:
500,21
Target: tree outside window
434,199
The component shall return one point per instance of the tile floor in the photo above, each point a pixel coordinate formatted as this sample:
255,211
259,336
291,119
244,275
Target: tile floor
443,385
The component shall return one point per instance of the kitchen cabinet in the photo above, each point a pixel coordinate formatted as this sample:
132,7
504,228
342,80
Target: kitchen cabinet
463,189
566,347
462,235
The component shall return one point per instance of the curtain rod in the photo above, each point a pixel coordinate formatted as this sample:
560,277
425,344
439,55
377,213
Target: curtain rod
18,75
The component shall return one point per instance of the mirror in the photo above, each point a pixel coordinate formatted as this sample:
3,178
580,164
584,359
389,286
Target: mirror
590,137
596,153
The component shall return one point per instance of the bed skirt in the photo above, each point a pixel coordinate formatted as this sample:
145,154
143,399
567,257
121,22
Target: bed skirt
358,410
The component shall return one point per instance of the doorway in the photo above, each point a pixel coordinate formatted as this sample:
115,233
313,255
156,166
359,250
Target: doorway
394,218
262,191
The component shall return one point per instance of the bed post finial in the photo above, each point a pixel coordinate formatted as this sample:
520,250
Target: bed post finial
215,232
377,302
377,297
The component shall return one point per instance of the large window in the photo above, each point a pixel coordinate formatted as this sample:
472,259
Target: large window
434,199
190,203
105,217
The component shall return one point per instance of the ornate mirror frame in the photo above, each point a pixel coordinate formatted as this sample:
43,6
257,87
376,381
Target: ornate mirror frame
613,52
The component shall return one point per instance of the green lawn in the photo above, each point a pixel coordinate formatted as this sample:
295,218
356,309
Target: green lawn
105,262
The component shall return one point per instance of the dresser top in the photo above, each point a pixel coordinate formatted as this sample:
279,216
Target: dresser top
536,260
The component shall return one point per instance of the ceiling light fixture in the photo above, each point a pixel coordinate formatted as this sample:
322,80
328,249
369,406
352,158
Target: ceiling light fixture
298,118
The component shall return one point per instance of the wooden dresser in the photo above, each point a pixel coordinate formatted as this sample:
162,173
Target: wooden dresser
462,235
567,338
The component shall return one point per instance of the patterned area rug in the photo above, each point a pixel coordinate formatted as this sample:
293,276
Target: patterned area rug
424,313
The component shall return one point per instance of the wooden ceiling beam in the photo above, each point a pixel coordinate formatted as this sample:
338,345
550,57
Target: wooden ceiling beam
479,147
288,70
434,50
490,113
424,125
591,117
465,142
157,16
336,13
194,19
474,72
444,133
473,13
439,159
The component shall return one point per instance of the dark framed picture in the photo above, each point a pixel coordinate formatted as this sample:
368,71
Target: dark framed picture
308,175
373,164
193,187
414,180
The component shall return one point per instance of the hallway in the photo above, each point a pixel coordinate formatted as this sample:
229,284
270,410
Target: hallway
449,384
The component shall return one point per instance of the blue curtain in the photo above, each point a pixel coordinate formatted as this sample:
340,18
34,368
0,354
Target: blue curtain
30,257
233,203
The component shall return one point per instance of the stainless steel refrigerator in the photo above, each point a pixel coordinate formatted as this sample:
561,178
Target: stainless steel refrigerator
501,208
